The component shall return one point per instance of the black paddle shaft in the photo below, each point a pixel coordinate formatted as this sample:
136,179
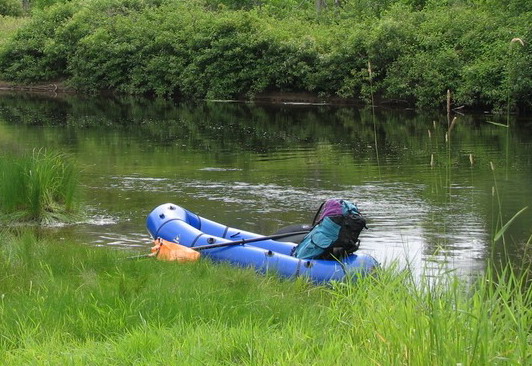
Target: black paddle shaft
246,241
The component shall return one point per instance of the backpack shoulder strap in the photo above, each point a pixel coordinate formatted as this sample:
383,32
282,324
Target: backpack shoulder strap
317,214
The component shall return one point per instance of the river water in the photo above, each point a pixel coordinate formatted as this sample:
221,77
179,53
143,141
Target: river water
428,191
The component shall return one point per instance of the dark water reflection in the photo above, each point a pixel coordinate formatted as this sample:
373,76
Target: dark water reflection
260,167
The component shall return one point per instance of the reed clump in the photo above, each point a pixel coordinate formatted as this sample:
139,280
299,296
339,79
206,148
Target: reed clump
71,304
38,187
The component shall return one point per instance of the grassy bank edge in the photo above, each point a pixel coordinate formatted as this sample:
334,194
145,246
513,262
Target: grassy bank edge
65,303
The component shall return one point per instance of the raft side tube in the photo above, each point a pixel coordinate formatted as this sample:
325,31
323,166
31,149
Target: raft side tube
267,261
173,223
165,213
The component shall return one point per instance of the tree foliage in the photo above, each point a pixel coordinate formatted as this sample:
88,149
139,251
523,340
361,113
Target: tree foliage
10,8
417,49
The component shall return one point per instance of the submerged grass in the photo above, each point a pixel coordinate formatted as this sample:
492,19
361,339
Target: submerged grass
41,187
70,304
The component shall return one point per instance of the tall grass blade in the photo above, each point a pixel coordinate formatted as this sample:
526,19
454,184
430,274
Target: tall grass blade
501,232
498,124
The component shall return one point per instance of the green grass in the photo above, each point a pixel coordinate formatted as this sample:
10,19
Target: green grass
440,321
62,303
41,187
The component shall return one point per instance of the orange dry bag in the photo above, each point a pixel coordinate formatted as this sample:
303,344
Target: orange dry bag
165,250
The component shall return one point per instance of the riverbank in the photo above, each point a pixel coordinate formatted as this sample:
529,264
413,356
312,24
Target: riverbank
65,303
48,88
192,51
59,87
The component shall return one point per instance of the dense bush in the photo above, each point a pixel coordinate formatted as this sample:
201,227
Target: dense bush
9,26
466,51
33,55
10,8
41,4
417,50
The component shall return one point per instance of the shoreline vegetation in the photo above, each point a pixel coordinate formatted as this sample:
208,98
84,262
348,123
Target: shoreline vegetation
66,303
415,51
41,187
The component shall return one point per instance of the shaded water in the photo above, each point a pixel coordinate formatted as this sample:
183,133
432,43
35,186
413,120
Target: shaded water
261,167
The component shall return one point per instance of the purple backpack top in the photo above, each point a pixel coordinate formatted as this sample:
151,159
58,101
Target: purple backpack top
330,208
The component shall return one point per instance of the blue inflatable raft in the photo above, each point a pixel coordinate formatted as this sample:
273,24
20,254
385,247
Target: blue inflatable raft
174,223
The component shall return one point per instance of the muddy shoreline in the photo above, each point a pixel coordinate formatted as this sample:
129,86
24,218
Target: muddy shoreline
57,88
48,88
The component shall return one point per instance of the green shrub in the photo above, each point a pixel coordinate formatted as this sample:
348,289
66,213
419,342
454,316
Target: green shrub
41,50
32,53
206,55
465,52
417,50
41,4
11,8
9,26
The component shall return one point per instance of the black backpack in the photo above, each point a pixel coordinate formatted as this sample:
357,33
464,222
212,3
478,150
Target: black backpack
336,228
